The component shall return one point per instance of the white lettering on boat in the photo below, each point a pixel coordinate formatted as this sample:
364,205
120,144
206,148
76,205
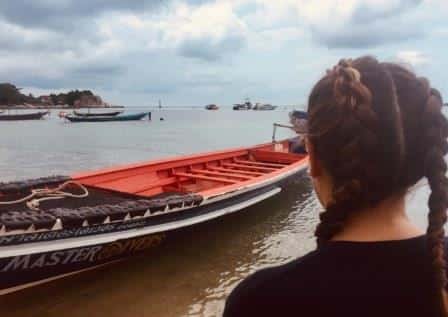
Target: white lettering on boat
87,254
18,262
130,246
25,262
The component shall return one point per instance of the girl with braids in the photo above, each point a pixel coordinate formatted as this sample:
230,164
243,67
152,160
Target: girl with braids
374,130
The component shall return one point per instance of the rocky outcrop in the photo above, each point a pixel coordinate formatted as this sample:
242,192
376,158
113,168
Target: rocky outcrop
11,96
87,101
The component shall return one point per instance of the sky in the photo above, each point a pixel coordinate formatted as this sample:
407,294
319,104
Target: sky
196,52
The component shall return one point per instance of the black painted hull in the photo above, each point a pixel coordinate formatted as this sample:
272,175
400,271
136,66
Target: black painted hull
25,116
30,259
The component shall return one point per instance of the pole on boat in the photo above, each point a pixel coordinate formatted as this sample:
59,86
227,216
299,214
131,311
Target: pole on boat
280,126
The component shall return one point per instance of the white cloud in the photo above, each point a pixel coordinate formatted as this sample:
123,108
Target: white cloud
412,58
130,48
212,29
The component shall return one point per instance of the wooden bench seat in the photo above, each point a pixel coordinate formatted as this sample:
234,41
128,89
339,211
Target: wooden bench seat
244,166
229,170
209,178
216,173
262,164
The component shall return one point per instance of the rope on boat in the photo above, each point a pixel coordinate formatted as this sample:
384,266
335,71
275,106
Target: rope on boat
48,194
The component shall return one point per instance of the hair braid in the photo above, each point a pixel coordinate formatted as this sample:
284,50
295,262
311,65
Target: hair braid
355,125
332,220
377,129
435,169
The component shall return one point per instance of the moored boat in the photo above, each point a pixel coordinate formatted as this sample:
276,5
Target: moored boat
23,116
211,107
127,117
56,226
247,105
264,107
96,114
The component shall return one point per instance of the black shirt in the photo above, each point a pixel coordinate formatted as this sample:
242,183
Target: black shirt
387,278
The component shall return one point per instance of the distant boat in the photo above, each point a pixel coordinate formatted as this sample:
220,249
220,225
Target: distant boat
129,117
247,105
211,107
263,107
23,116
96,114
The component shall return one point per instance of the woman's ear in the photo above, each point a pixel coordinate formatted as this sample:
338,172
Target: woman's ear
315,167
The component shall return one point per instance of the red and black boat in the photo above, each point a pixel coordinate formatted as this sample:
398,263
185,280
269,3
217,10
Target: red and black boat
57,226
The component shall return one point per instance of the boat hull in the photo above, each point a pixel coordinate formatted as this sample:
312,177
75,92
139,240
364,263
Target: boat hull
49,257
131,117
93,114
25,116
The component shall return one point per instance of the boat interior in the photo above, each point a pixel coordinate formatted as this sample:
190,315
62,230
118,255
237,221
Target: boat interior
143,189
199,174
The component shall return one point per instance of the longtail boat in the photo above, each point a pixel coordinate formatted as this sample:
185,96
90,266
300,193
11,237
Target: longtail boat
23,116
128,117
96,114
61,225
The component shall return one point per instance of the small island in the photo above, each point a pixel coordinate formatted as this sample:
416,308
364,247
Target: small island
11,97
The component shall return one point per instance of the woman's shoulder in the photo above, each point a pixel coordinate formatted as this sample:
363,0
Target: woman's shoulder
266,286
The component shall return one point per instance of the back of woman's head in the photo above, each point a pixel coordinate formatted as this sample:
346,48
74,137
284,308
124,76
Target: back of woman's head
377,129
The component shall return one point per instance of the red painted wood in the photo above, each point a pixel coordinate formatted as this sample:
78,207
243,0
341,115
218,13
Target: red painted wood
273,165
209,178
229,170
207,172
250,167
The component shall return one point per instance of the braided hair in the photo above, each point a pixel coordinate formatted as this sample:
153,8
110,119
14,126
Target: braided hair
378,129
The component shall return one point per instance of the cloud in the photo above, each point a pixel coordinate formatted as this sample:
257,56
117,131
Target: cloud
209,49
369,11
213,48
412,58
103,52
66,14
369,24
207,32
368,36
343,24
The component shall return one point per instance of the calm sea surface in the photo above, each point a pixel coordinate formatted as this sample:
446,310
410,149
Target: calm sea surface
192,273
